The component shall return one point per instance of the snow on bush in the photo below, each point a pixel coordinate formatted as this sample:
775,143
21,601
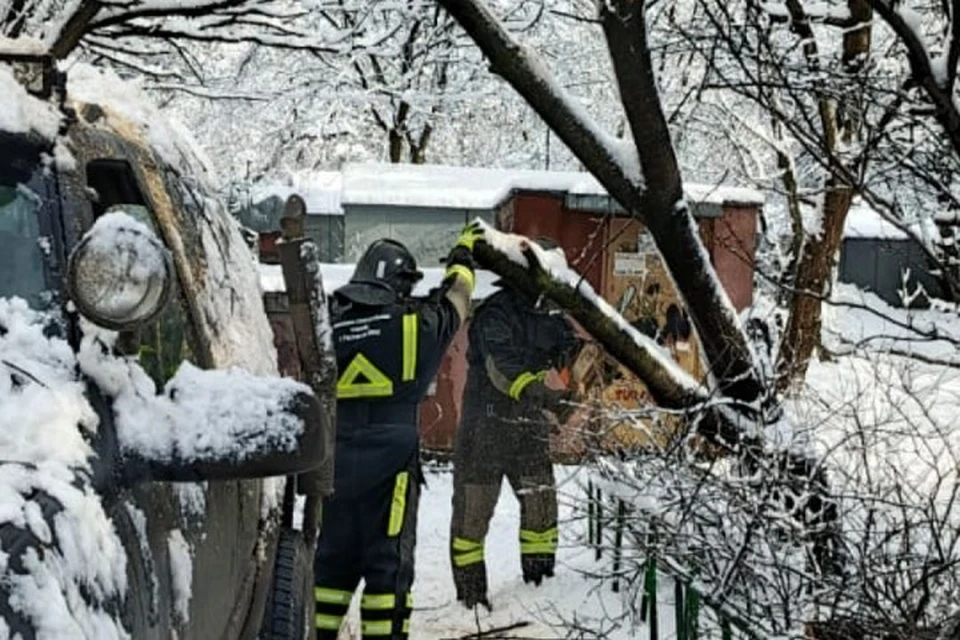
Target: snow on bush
65,591
882,426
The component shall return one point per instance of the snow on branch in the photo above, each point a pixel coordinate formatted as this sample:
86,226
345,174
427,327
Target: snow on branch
643,176
936,75
253,21
538,272
614,162
821,12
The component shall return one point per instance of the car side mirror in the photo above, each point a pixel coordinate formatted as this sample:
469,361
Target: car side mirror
260,454
206,425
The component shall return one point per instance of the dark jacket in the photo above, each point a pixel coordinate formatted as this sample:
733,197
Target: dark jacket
387,356
512,346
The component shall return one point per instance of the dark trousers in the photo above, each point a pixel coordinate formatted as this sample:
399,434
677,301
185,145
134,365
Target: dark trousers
484,455
370,536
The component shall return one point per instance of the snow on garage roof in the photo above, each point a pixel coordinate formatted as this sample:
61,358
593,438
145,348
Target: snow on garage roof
453,187
337,275
320,190
484,188
864,222
433,186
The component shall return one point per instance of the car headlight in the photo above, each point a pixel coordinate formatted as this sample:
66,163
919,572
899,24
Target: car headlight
120,274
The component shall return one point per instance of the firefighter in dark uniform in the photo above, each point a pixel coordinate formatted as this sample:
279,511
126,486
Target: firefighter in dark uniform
513,341
389,346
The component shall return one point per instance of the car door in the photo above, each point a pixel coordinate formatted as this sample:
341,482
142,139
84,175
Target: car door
191,547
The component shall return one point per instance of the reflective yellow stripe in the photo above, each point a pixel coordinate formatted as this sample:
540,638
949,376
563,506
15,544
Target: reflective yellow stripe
327,623
378,601
538,547
539,536
468,558
399,504
406,625
332,596
376,627
538,541
521,382
377,384
464,272
410,326
463,544
409,601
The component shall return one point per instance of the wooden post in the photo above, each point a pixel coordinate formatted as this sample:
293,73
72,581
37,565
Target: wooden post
308,314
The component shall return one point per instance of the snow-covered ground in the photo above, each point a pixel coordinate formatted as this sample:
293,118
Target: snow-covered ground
548,611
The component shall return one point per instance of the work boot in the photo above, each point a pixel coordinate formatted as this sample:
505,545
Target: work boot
471,584
536,567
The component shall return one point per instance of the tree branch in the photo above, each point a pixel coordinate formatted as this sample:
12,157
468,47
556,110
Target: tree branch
947,113
661,208
75,27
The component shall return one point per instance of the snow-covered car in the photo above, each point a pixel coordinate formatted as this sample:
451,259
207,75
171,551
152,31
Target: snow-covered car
145,435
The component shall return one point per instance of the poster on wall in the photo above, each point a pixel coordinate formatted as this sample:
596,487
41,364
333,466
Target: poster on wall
629,264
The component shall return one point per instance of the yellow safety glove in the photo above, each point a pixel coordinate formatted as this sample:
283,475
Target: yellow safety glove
470,234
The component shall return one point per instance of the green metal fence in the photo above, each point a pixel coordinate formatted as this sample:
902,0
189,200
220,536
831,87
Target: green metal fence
686,597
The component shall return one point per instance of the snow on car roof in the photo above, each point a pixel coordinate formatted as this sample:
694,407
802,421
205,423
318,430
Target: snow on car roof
22,113
337,275
123,99
448,187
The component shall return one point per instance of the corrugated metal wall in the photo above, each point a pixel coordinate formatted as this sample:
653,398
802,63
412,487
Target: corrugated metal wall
428,233
878,264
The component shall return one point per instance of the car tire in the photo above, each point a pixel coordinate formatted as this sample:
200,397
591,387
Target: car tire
289,610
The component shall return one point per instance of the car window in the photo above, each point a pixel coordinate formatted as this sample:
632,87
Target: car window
21,257
165,342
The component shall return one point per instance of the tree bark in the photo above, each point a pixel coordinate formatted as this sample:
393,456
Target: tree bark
74,29
801,337
659,202
818,251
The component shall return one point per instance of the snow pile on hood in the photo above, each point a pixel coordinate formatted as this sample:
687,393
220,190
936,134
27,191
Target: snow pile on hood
22,113
200,415
45,489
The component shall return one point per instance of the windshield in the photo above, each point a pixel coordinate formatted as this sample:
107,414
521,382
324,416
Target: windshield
21,257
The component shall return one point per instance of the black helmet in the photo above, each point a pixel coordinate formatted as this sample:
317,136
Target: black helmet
385,271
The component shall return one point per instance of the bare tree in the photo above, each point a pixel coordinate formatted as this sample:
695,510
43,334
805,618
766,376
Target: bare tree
846,120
